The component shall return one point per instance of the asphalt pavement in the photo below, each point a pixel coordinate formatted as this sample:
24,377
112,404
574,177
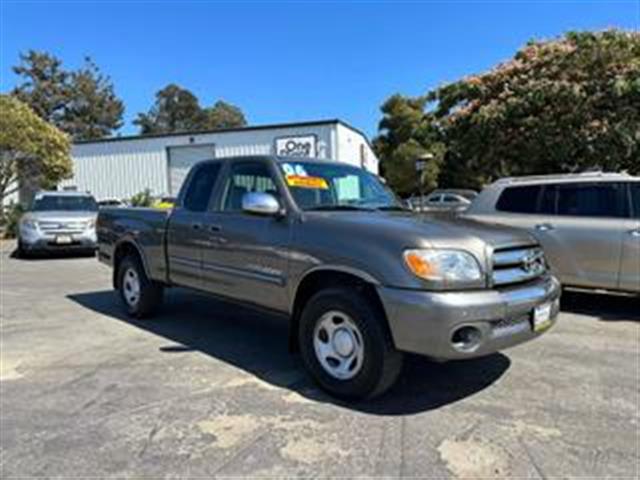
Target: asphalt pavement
207,389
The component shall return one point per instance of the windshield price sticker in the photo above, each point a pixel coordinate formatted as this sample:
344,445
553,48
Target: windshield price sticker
318,183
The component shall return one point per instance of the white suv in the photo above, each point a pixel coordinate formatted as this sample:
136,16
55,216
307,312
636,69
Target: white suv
588,224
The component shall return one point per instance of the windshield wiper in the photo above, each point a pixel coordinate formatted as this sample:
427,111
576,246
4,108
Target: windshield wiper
339,207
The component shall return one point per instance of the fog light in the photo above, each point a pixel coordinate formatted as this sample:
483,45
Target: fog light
466,339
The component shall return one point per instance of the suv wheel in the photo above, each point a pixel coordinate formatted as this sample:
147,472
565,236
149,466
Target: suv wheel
346,346
140,295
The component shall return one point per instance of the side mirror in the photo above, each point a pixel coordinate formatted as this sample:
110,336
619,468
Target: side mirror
260,204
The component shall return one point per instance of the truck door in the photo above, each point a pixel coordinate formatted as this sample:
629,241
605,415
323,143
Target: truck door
630,264
247,258
186,235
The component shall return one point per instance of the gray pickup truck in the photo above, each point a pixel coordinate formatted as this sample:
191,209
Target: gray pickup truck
360,278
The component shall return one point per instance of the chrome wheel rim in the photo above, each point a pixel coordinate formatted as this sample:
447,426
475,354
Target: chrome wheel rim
338,345
131,287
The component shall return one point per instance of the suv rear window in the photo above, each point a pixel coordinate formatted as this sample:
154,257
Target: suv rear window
519,199
603,199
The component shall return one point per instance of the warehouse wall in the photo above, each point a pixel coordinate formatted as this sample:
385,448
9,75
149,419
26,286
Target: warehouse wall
353,148
123,168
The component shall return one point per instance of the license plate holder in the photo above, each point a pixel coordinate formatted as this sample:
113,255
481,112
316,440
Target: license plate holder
64,239
542,317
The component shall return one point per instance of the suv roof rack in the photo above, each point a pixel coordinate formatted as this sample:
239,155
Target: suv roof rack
562,176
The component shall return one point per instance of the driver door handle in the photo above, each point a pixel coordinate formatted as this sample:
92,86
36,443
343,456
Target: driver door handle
215,228
196,226
544,227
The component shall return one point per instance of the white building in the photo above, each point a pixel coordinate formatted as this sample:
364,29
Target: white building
120,167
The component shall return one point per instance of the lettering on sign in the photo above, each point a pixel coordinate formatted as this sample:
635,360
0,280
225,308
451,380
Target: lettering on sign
296,146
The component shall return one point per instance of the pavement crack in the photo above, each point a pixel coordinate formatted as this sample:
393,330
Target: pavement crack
239,453
532,459
149,440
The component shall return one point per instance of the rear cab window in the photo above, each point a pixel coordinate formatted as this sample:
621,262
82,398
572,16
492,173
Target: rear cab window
200,188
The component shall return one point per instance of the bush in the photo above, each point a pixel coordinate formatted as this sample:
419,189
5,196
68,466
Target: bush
11,219
142,199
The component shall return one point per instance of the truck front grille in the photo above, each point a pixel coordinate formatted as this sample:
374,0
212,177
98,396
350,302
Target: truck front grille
517,265
62,227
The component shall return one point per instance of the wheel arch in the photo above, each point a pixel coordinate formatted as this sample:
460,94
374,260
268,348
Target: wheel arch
123,249
325,277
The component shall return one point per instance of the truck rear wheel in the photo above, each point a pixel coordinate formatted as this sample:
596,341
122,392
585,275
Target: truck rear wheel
346,346
140,295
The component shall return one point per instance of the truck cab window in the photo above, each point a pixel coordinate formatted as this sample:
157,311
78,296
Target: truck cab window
200,187
246,178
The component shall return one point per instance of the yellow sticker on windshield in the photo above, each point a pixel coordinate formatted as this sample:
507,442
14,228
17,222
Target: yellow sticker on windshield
307,182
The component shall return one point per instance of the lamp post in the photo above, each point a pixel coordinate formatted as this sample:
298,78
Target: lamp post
421,163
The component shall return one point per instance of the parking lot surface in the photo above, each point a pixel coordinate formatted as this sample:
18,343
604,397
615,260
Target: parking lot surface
210,389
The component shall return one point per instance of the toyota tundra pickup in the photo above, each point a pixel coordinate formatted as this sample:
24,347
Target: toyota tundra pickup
328,245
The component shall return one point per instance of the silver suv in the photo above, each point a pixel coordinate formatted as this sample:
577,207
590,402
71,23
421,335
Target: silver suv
58,221
588,224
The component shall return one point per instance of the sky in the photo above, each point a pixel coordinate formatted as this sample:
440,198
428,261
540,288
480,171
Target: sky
290,61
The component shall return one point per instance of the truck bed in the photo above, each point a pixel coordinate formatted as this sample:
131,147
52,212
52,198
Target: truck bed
145,226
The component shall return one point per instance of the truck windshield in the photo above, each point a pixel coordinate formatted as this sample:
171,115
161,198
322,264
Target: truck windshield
318,186
66,203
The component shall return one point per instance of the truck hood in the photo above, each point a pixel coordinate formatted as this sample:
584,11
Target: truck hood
61,216
429,230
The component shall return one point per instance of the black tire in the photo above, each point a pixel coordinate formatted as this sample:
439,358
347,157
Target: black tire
381,362
150,294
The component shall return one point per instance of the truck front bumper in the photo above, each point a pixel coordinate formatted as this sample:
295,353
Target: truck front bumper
433,323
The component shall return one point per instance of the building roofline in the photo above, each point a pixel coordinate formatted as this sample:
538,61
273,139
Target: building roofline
334,121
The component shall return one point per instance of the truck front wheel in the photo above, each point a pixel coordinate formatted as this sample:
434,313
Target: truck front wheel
346,346
140,295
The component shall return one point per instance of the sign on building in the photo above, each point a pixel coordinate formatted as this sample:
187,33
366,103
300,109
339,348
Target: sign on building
296,146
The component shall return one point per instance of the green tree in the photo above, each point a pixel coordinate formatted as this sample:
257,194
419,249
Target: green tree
44,84
175,110
224,115
32,151
92,109
407,134
81,103
558,106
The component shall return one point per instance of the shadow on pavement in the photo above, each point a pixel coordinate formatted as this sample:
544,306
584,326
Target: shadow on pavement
52,255
258,343
602,306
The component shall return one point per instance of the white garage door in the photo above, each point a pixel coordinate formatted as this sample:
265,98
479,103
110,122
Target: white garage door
181,159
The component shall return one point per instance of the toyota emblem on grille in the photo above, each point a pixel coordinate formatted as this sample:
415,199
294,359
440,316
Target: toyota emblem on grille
532,263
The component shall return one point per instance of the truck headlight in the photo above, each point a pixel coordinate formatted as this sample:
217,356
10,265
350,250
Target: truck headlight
446,266
91,224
